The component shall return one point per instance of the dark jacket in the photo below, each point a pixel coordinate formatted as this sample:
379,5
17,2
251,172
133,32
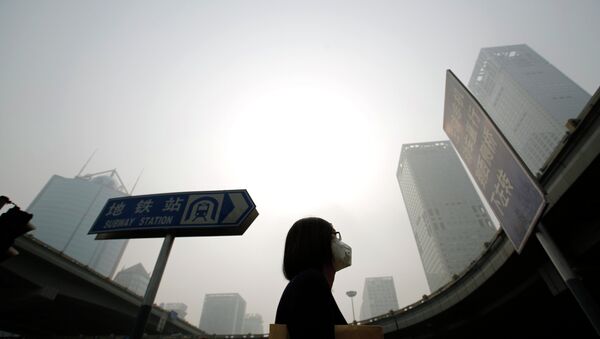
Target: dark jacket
308,308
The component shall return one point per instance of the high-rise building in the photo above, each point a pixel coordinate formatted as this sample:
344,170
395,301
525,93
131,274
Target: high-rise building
528,98
253,324
179,308
66,208
134,278
448,219
223,313
379,297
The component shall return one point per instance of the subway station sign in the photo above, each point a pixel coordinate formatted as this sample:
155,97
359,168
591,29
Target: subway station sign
512,193
180,214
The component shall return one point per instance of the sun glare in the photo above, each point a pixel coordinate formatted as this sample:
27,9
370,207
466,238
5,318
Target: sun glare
309,140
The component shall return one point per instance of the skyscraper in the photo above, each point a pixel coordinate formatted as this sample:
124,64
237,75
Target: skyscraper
134,278
379,297
253,324
448,219
66,208
528,98
223,313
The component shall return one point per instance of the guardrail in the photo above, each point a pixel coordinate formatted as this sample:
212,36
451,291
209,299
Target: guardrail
491,259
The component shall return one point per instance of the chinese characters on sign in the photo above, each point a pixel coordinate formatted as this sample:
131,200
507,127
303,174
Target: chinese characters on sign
143,206
173,205
513,195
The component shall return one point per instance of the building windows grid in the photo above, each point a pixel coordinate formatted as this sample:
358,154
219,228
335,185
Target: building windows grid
528,98
446,229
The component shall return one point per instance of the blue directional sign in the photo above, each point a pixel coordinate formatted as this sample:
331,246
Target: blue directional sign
513,194
181,214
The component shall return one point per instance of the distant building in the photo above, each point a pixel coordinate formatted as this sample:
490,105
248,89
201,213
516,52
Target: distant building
66,208
379,297
528,98
253,324
134,278
447,216
179,308
223,313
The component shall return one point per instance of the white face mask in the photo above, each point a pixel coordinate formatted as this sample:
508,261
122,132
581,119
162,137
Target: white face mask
342,254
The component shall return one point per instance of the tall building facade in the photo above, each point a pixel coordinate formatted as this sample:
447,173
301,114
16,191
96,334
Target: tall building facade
66,208
448,219
528,98
379,297
253,324
134,278
179,308
223,313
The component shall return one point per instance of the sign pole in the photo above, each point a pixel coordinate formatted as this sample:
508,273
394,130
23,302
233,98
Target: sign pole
159,268
170,215
575,285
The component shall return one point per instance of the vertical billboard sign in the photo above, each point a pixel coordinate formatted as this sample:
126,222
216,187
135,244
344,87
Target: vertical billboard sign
514,196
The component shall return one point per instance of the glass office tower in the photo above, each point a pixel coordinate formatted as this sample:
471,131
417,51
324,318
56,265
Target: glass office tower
253,323
379,297
528,98
223,313
64,211
134,278
447,216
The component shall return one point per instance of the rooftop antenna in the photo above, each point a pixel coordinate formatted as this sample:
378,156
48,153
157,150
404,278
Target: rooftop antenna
136,181
86,163
115,173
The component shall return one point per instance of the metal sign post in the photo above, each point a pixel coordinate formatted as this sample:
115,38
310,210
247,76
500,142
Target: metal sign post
575,285
159,268
168,215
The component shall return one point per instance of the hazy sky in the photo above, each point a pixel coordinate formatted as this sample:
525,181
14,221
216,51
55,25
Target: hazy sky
306,104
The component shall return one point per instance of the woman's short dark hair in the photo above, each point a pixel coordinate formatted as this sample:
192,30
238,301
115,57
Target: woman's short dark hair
307,245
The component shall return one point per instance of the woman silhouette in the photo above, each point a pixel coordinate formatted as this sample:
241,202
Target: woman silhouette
313,253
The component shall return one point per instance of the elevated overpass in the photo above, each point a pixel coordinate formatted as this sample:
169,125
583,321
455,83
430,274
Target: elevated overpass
504,294
45,293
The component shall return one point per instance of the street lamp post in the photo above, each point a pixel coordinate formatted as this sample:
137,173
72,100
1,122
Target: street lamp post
352,294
